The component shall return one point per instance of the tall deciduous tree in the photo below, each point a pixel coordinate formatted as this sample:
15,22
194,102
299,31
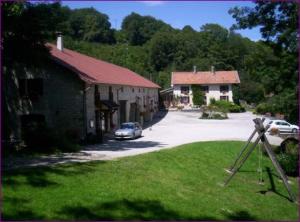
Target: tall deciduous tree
277,21
90,25
277,71
27,27
139,29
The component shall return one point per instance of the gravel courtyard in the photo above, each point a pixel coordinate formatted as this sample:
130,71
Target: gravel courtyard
177,128
168,130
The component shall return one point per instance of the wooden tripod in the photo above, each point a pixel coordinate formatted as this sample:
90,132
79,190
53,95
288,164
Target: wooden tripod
247,150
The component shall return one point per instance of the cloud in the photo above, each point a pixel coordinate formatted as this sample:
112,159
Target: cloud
153,3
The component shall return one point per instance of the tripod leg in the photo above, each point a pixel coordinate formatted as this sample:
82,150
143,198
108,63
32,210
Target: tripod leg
278,167
242,151
245,147
243,160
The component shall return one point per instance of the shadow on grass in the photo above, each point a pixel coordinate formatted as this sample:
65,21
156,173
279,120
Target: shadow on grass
240,215
124,210
21,212
116,210
40,176
272,184
22,215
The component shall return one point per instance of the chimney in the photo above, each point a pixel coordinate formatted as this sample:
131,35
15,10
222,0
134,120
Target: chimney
195,69
213,70
59,42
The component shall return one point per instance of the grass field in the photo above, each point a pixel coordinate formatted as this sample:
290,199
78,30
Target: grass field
180,183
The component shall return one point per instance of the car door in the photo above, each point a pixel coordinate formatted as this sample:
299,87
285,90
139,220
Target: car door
277,125
285,127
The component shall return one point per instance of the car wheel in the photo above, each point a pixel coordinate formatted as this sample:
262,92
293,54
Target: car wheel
294,130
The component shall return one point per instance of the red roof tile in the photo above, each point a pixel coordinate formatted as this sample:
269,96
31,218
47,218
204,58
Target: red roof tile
97,71
219,77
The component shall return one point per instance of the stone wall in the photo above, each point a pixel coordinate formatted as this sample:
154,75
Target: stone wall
61,102
66,99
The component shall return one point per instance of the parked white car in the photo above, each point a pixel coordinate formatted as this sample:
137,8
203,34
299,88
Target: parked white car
129,130
282,126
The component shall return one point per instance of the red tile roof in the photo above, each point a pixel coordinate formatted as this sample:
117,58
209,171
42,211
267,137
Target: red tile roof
219,77
97,71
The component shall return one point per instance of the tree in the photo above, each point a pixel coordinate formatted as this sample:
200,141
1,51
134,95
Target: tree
139,29
90,25
27,27
277,70
278,21
162,49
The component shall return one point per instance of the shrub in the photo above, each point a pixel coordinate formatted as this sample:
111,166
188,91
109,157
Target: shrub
289,156
263,108
226,106
213,114
236,109
290,146
219,116
212,101
180,107
289,163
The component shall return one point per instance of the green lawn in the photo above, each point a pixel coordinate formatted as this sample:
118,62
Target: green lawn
180,183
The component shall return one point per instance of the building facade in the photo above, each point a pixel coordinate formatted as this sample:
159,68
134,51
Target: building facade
214,84
77,93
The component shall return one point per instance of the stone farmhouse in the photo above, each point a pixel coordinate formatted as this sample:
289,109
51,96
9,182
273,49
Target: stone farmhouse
76,92
215,85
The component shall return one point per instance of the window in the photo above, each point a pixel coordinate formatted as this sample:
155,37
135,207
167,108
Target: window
185,90
205,89
32,88
224,88
133,90
139,90
184,99
285,124
224,98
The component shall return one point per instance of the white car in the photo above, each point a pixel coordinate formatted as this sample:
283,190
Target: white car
282,126
129,130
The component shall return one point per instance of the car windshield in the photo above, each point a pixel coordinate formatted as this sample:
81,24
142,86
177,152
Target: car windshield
127,126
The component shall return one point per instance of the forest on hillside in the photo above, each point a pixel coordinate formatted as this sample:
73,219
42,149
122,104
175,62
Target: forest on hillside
268,68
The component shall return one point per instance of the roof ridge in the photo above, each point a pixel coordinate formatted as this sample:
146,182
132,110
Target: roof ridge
95,63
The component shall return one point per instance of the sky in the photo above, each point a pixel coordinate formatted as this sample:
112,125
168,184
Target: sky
176,13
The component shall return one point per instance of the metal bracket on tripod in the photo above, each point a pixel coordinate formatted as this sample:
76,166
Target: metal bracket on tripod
247,150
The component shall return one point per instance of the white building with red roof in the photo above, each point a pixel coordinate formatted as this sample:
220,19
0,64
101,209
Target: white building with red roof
215,85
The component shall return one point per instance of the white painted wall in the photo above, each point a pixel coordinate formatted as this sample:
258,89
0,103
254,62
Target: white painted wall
214,92
140,95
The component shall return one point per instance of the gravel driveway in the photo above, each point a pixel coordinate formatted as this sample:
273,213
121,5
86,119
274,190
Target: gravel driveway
177,128
168,130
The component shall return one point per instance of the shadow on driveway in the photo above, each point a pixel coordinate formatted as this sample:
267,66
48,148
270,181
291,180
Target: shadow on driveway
156,118
122,145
